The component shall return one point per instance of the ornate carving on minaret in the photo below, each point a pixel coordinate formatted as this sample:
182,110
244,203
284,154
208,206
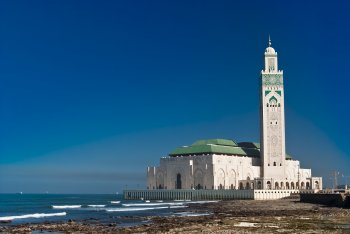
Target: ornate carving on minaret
272,117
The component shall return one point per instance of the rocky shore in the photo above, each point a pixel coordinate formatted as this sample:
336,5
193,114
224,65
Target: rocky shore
241,216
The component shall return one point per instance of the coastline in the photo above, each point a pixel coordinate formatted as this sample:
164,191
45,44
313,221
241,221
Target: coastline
236,216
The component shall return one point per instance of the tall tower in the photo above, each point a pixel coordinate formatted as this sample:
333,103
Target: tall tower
273,147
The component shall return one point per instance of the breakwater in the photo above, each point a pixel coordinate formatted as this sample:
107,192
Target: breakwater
329,199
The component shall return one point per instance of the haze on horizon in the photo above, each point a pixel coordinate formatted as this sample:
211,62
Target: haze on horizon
92,93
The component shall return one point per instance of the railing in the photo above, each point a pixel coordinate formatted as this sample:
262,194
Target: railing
182,194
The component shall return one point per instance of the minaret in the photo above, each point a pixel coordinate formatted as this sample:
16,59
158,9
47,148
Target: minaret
273,147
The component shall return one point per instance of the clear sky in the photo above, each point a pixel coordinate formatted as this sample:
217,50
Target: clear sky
93,92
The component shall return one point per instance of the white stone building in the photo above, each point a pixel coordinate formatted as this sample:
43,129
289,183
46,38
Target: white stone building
225,164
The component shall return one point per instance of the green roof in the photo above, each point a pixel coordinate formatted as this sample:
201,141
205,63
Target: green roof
220,146
249,145
215,142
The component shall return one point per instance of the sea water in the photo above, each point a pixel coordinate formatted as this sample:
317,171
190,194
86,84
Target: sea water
39,208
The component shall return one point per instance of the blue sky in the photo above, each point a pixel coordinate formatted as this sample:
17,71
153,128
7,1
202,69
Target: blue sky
93,92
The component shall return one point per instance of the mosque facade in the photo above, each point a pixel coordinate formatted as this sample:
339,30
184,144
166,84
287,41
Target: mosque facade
222,164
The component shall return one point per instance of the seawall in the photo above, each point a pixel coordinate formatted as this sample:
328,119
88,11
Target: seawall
329,199
182,194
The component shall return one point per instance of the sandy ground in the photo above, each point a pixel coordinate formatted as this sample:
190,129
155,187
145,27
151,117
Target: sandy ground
241,216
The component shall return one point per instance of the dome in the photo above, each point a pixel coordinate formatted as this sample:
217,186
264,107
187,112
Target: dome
270,50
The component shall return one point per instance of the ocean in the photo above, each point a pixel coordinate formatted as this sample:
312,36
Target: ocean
109,208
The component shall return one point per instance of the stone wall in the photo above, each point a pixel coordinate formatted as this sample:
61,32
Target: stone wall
329,199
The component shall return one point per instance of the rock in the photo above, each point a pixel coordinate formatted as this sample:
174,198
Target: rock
5,221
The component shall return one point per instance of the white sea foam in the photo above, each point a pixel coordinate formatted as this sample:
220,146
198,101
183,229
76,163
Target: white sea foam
174,207
135,209
97,206
115,202
153,204
124,209
199,202
37,215
66,207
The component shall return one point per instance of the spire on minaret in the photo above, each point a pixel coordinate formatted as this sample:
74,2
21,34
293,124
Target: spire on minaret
269,41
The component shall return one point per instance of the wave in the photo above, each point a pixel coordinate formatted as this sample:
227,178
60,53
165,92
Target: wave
96,206
175,207
143,208
153,204
115,202
200,202
37,215
66,207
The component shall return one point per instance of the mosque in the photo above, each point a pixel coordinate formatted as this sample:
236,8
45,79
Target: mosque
222,164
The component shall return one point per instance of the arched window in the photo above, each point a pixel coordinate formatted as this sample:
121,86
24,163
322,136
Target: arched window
274,163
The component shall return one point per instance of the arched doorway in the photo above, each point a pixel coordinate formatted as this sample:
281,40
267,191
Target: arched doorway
198,179
221,186
221,178
232,179
282,185
240,185
247,186
292,185
276,185
268,185
259,185
317,186
160,180
178,181
287,185
307,185
302,185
